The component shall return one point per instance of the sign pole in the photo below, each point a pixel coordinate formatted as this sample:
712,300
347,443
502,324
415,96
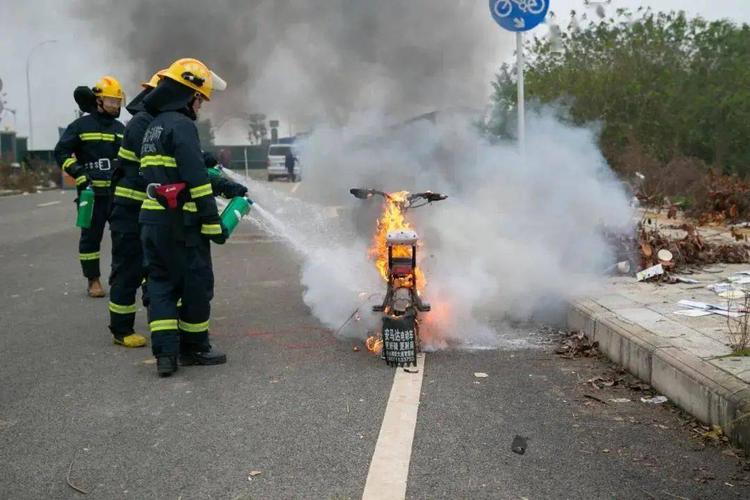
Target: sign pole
519,16
521,97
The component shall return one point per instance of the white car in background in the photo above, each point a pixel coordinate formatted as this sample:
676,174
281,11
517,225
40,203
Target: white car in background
276,161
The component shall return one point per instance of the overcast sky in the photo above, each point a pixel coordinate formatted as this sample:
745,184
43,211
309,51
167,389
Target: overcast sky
78,57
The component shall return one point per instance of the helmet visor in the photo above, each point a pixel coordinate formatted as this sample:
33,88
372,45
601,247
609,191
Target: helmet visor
218,83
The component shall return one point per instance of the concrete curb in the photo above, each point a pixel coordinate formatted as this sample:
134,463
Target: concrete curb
709,394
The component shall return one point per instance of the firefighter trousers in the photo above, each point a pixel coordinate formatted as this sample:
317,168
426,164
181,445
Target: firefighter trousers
178,272
89,245
128,271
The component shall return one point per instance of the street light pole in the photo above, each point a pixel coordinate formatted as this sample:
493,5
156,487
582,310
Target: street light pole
28,89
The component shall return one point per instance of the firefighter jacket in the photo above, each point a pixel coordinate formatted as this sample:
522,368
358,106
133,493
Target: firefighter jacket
171,154
130,187
88,148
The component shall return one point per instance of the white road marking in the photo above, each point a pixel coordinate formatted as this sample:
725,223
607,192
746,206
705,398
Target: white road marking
389,468
48,204
295,188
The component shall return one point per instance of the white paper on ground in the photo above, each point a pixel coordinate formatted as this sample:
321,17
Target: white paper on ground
694,304
720,287
693,313
701,305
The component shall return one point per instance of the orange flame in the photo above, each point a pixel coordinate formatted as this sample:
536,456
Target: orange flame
392,219
374,345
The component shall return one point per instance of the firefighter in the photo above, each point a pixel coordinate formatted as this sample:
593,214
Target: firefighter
86,151
128,272
179,219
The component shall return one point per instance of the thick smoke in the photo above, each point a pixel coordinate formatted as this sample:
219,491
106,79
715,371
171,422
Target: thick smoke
309,61
513,240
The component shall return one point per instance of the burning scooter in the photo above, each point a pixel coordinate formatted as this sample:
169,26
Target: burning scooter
395,253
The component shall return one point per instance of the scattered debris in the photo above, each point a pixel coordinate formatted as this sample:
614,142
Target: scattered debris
649,273
656,400
598,400
702,475
727,198
480,375
67,477
620,400
254,473
599,382
519,445
689,250
637,385
664,256
720,287
576,344
689,281
715,434
710,308
622,267
355,348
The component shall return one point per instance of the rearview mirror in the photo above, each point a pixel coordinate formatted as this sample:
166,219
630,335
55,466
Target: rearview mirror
362,194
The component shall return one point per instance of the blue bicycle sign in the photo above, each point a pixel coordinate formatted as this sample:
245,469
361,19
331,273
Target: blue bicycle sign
519,15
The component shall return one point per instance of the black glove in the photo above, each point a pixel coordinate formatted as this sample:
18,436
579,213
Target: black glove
84,184
213,229
209,160
239,190
221,239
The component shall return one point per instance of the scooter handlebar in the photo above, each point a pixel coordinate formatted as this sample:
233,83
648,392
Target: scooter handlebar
364,194
429,196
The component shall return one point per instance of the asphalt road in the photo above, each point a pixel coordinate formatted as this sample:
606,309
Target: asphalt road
295,404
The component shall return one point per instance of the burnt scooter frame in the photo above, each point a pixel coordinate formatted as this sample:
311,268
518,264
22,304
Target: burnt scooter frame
402,303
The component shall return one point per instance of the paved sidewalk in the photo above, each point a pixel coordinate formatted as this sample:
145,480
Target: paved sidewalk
687,359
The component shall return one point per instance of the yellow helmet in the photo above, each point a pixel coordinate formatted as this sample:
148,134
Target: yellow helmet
154,81
108,86
196,75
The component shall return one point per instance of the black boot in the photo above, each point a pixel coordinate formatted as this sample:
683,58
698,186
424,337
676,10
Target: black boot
209,357
166,365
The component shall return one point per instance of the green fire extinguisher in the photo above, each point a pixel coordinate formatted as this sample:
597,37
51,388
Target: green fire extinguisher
236,210
85,208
